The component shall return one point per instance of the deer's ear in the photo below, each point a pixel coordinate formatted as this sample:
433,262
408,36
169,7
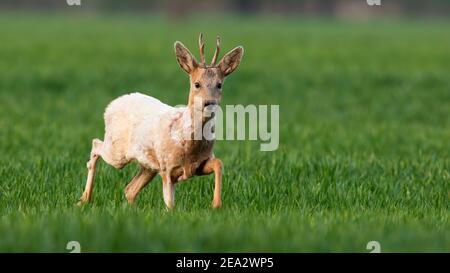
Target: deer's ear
231,60
184,57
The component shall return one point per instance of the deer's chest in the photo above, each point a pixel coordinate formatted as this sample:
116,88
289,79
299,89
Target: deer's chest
183,161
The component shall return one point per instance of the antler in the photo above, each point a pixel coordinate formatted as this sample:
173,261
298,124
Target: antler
216,53
201,44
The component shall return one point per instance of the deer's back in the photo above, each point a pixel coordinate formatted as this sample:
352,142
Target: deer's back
124,118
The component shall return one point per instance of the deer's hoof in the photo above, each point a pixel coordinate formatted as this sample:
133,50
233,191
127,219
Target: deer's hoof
83,200
216,205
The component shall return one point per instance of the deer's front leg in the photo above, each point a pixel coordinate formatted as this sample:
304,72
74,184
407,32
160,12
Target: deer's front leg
168,190
214,165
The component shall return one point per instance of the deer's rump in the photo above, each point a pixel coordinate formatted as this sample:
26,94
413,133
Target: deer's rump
125,119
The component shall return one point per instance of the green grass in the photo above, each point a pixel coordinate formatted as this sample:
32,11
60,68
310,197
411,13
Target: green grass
364,135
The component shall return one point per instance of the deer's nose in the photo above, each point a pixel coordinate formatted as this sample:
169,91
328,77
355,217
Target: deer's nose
209,102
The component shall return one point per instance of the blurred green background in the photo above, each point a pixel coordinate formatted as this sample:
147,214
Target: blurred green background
364,125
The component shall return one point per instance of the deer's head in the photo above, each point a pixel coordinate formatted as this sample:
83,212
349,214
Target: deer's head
206,80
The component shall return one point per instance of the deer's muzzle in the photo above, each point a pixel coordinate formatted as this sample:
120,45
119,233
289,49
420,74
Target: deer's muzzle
209,102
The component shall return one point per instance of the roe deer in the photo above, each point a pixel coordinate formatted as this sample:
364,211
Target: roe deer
143,129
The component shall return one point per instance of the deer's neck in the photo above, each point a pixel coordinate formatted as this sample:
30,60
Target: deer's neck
198,141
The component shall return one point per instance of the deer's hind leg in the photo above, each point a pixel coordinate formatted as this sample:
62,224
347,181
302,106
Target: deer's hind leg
97,146
141,180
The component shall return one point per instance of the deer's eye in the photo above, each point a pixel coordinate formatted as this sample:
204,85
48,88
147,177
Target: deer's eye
219,85
197,85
